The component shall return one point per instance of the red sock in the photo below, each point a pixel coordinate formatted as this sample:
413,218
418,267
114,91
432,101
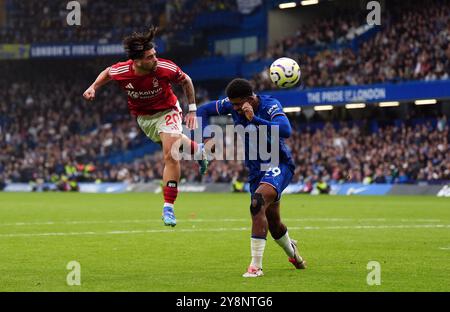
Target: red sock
194,147
170,192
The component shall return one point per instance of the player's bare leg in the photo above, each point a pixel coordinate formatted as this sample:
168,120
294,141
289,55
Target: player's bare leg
197,151
171,176
264,196
280,234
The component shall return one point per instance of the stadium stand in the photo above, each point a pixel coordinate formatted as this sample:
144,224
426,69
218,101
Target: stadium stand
46,129
43,128
414,44
44,21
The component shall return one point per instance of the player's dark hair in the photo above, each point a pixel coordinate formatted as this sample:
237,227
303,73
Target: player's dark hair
136,44
239,88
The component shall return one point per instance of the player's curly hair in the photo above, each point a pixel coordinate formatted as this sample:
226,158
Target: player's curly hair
239,88
136,44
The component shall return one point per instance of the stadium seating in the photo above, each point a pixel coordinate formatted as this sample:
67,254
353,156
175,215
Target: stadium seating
414,44
45,124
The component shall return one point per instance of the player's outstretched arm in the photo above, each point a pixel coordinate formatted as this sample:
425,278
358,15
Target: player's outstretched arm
101,80
214,108
280,121
204,112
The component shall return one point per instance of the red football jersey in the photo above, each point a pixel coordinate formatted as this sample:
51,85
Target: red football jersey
151,93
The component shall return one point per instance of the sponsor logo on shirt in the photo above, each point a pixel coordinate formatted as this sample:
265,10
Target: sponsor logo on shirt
144,94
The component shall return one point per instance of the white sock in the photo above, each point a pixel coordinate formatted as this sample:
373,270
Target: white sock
257,248
285,243
168,205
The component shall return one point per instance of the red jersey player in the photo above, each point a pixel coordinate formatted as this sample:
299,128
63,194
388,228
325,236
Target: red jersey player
147,81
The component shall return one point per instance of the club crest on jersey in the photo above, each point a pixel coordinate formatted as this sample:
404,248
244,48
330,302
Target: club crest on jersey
155,83
272,109
134,95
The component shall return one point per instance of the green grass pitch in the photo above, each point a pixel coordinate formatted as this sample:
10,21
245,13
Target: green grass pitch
121,244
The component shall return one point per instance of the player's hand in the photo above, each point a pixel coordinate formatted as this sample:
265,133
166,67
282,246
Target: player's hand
89,94
191,120
248,111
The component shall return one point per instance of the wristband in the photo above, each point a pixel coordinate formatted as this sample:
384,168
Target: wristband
192,107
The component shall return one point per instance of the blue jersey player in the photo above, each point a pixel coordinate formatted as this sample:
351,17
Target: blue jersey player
266,186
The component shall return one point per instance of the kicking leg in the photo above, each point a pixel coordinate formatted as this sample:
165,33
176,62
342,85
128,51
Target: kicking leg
196,150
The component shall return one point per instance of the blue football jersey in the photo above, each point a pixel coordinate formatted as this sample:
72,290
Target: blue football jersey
268,108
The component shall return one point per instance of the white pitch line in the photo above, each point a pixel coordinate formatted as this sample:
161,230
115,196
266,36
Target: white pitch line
356,227
159,220
213,220
122,232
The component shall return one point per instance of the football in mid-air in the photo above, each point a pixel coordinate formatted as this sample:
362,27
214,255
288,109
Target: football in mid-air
285,72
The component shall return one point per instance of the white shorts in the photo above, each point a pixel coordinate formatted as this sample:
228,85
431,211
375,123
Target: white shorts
169,121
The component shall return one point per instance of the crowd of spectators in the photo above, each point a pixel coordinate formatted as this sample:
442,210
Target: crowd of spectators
413,44
392,154
45,124
101,21
46,21
44,128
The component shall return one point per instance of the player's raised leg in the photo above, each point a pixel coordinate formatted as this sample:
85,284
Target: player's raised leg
171,176
197,151
280,234
261,199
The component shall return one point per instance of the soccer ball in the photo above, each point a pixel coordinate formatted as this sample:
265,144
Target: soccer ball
285,72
